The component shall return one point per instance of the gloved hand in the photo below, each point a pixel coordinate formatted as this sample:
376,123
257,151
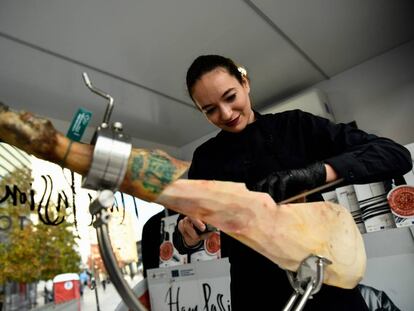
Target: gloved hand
284,184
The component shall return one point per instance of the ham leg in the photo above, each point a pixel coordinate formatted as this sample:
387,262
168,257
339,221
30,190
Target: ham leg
286,234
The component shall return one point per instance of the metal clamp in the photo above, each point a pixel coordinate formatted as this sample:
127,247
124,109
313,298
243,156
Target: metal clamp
110,160
111,152
307,281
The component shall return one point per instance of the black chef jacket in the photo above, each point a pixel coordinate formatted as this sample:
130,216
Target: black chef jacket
289,140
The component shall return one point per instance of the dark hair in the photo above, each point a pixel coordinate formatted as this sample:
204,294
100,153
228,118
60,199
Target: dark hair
206,63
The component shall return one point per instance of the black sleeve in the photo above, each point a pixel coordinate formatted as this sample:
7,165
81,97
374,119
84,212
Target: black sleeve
178,240
356,156
195,171
150,242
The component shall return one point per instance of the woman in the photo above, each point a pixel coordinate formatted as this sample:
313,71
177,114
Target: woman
282,154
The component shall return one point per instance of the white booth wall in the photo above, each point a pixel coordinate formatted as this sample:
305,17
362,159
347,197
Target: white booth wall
378,94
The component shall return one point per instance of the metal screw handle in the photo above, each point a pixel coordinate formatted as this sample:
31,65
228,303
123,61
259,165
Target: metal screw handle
101,93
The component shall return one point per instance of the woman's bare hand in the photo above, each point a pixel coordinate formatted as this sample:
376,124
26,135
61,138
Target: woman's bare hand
188,227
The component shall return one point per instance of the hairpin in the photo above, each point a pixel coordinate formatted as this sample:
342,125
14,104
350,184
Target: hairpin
242,71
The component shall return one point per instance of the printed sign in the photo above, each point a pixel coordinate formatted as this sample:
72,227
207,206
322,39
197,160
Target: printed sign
169,256
68,285
346,197
376,212
204,285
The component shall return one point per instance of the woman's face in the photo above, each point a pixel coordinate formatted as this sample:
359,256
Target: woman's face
224,101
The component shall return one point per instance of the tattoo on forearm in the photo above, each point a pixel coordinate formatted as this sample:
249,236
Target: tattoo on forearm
136,168
154,170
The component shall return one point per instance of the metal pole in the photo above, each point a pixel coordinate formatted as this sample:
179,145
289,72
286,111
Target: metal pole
97,299
114,272
96,286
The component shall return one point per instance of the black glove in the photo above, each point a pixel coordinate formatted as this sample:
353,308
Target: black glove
284,184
